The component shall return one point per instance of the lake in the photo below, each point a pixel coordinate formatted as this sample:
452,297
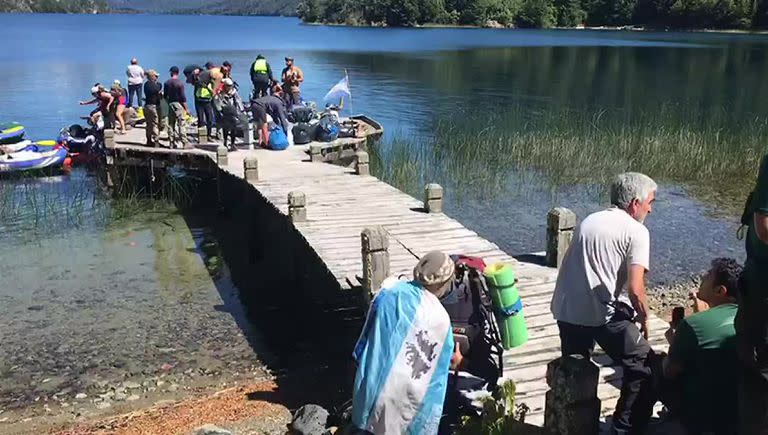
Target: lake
417,82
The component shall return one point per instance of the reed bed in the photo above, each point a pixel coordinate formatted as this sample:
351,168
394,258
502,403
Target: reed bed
712,154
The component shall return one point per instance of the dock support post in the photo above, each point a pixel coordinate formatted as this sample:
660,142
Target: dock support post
297,207
249,136
221,156
433,198
572,406
561,223
361,163
375,250
202,135
109,138
316,153
251,169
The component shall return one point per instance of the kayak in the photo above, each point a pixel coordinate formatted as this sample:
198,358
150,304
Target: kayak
45,154
11,133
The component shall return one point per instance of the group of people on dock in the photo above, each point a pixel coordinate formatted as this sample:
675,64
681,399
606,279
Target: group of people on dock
219,108
713,380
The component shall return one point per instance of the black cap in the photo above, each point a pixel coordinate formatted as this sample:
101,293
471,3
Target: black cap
209,65
227,64
287,58
174,70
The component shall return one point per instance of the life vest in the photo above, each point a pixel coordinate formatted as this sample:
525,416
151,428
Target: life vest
260,66
204,92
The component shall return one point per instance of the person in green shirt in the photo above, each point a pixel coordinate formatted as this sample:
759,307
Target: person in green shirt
752,319
703,360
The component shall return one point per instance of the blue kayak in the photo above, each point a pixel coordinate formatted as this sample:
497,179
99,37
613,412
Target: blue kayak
42,155
11,133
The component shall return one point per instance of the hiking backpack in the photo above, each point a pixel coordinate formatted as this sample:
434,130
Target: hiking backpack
469,306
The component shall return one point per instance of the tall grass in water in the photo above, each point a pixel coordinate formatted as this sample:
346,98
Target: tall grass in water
713,154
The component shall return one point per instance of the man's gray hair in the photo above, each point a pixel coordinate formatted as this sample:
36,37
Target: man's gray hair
629,186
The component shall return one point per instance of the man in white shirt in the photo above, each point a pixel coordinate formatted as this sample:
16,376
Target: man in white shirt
600,291
135,75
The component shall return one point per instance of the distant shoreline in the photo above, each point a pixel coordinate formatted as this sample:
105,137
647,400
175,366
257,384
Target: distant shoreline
638,29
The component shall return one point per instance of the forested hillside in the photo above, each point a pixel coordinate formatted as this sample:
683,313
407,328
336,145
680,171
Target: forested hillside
54,6
729,14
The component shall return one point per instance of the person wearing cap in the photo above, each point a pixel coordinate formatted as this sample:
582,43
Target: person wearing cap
404,353
104,100
292,78
136,76
261,77
177,109
153,92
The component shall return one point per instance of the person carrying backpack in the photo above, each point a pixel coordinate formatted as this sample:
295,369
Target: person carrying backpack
231,109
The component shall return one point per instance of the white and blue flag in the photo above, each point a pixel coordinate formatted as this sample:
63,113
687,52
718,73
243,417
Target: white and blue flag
339,91
403,358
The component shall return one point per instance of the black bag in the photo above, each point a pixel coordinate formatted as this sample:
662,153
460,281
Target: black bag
469,306
302,113
303,133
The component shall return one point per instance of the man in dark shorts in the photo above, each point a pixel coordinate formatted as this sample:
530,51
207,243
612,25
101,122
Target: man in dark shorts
275,107
752,318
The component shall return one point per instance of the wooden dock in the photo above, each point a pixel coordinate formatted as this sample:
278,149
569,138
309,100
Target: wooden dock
340,204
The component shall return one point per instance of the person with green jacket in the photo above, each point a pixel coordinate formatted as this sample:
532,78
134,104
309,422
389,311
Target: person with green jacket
261,77
203,103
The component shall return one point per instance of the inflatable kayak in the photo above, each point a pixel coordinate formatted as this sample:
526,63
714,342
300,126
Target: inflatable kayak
46,154
11,133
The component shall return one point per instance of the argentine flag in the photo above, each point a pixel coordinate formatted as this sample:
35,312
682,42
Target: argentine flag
339,91
403,358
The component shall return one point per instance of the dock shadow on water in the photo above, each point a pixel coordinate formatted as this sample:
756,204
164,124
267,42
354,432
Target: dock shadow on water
113,304
307,323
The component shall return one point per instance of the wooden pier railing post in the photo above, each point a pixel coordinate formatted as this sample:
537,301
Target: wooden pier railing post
109,138
202,135
561,223
222,159
572,406
361,163
316,153
433,198
249,136
251,169
297,207
375,250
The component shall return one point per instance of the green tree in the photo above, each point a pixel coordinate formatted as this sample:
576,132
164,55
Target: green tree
609,12
403,13
310,11
569,13
536,13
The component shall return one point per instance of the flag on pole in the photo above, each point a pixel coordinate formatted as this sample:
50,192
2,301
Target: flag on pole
339,91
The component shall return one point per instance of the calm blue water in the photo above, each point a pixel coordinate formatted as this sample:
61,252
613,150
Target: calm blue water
406,78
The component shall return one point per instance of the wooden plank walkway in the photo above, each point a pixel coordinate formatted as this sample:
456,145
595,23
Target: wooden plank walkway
340,204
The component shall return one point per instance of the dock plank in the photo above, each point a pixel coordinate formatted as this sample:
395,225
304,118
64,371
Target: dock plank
340,205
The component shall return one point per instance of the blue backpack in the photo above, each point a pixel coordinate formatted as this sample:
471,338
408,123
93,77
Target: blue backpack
277,138
328,129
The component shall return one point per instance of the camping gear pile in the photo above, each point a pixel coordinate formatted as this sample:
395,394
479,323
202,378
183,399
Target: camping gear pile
20,155
326,126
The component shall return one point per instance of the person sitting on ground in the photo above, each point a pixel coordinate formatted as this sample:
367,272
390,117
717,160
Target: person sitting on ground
600,292
261,77
275,107
118,105
136,76
404,354
292,77
104,100
703,358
